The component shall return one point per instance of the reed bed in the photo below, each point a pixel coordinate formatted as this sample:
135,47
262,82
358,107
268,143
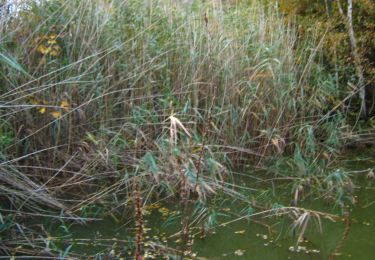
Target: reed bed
100,96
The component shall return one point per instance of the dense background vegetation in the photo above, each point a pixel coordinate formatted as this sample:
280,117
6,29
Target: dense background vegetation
112,105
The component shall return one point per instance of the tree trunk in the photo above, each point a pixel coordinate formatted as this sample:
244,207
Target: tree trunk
356,56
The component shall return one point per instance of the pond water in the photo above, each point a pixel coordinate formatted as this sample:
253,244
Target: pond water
266,238
257,243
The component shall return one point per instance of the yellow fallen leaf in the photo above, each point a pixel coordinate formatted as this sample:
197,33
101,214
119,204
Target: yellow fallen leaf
56,114
240,232
239,252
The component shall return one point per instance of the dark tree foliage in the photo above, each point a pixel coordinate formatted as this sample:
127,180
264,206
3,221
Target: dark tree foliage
338,50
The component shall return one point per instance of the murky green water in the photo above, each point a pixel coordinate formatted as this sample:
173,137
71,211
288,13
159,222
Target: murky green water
245,239
256,243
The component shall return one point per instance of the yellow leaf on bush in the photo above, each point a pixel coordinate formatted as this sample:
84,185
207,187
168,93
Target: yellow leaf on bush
64,105
56,114
43,49
53,36
52,41
48,50
42,110
54,53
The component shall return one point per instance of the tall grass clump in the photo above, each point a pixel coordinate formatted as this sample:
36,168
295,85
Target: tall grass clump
97,95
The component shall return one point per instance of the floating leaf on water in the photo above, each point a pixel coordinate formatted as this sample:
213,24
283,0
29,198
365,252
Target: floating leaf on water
239,252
